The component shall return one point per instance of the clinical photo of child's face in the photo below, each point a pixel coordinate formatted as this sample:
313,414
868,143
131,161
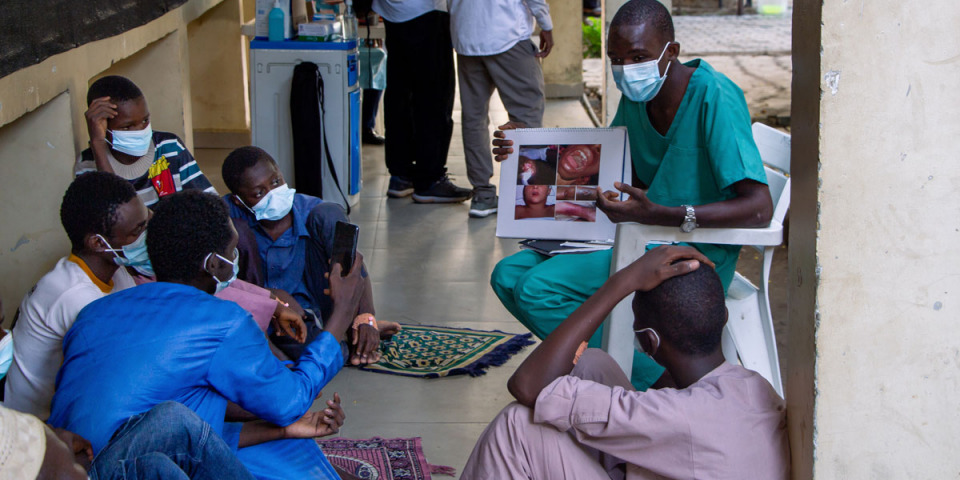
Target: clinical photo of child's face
535,202
578,165
537,165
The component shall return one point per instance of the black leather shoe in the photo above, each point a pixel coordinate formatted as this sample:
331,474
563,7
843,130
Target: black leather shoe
370,137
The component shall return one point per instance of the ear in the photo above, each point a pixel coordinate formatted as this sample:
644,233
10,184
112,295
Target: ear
93,243
673,51
726,316
236,200
649,339
210,263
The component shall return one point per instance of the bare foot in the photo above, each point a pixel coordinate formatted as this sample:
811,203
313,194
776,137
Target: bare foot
388,329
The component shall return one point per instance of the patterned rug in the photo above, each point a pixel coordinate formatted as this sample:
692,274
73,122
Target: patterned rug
430,352
381,459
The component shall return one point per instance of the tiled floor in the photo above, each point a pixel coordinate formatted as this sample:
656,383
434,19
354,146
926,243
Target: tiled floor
430,264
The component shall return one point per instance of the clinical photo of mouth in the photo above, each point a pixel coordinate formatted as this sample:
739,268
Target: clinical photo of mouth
557,182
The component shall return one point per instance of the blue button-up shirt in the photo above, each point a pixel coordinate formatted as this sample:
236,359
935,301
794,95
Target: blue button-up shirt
284,259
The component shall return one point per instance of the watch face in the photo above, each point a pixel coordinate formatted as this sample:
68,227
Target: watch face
687,227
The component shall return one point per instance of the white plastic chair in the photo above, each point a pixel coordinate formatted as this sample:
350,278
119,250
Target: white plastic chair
748,338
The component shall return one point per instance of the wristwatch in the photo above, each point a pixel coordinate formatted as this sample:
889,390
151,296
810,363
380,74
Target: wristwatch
689,221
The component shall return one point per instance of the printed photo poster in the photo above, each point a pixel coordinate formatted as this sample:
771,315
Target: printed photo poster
554,174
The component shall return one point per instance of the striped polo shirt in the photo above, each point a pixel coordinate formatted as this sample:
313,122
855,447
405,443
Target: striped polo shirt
168,167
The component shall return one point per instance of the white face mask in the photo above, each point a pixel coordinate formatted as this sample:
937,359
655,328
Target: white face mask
641,82
222,284
275,205
132,142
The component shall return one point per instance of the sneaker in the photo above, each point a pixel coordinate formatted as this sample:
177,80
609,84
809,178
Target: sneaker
442,191
399,187
483,204
370,137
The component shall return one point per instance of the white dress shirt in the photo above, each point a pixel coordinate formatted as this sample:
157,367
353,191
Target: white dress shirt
489,27
397,11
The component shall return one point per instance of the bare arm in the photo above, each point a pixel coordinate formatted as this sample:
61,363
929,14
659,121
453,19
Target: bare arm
554,357
752,207
97,115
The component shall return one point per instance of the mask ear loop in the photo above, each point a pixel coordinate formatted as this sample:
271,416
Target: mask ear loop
669,62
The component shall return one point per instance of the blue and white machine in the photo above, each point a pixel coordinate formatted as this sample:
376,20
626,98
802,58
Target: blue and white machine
271,65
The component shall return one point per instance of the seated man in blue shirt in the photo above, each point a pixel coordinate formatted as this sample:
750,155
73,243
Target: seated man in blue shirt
193,348
294,240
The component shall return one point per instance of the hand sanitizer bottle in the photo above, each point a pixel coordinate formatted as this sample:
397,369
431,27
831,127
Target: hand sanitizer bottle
275,22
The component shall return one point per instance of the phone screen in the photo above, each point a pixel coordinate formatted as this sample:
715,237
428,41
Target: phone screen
345,246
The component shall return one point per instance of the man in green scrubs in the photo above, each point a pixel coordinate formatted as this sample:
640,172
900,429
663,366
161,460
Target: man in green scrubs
695,163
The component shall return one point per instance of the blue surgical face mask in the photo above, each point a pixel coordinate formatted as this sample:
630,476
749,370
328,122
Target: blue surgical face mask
6,353
641,82
134,255
274,205
132,142
222,284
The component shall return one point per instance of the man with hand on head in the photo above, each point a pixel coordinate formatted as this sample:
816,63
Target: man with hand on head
694,160
123,142
578,417
192,348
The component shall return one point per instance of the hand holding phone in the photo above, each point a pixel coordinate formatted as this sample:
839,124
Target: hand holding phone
345,246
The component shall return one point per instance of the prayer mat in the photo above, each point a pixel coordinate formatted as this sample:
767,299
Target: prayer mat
381,459
429,352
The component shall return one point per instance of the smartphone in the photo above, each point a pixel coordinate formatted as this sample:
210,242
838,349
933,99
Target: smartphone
345,246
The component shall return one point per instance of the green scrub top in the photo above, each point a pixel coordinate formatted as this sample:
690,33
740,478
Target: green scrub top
708,147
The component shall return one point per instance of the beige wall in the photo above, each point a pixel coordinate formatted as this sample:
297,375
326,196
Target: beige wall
31,187
563,68
873,370
42,128
217,53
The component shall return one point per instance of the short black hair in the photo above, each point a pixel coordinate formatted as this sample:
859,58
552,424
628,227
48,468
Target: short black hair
639,12
238,161
90,205
185,227
119,89
688,311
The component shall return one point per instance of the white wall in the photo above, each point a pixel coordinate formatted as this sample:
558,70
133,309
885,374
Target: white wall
874,362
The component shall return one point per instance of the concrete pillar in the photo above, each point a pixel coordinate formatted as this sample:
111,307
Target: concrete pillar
873,363
611,96
563,69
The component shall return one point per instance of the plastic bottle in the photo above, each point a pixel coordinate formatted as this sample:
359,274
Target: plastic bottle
349,21
276,23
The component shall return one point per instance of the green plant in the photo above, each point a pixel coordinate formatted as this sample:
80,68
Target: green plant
592,36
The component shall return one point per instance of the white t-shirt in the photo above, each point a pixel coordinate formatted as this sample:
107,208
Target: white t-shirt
398,11
46,313
489,27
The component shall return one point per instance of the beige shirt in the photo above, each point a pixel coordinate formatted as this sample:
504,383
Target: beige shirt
731,424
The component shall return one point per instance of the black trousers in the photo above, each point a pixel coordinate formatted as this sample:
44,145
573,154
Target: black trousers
418,106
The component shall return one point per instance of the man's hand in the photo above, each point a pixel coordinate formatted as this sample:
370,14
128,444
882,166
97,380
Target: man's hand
346,293
546,43
287,323
97,115
318,424
502,147
366,345
636,208
80,446
288,299
659,264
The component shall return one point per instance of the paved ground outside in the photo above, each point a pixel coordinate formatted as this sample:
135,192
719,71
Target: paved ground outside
753,50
